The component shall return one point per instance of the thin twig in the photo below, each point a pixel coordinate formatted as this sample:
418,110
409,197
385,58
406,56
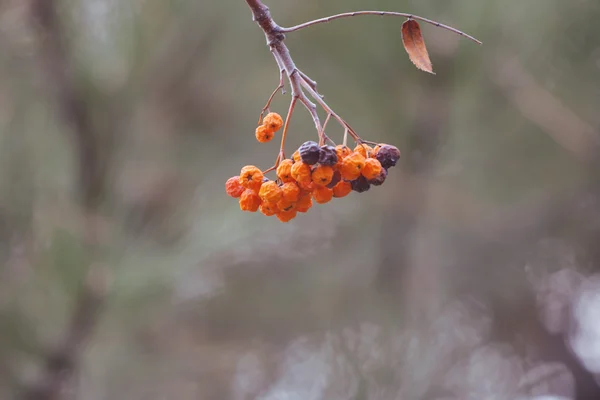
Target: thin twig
328,110
281,154
379,13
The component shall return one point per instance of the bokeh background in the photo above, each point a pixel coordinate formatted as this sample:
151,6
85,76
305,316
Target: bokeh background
127,273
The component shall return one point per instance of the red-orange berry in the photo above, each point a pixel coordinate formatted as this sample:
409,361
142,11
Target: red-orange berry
322,175
249,201
233,187
270,192
286,205
273,122
284,171
285,216
342,189
301,172
290,191
263,134
372,168
352,166
304,203
322,194
306,186
363,149
296,156
251,177
268,209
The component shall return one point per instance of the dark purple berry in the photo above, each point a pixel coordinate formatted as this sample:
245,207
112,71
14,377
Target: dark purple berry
309,152
388,156
361,184
378,181
335,180
328,156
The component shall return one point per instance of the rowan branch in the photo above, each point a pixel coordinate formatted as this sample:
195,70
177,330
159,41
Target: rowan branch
379,13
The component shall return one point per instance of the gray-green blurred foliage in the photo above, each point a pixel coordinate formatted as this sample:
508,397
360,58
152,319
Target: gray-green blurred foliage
418,289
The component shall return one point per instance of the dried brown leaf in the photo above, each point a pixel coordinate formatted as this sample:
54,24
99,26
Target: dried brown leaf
415,45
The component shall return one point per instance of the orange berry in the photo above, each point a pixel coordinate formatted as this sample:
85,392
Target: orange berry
249,201
296,156
352,166
372,168
306,186
301,172
270,192
342,189
251,177
375,150
286,205
268,209
322,194
342,151
233,187
285,216
304,203
263,134
290,191
322,175
363,149
273,122
284,171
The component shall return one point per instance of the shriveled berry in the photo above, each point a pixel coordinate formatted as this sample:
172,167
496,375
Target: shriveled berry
352,166
286,205
284,171
301,172
263,134
285,216
342,189
378,181
328,156
270,192
322,175
363,149
290,191
372,168
249,201
268,209
337,176
360,185
304,203
251,177
388,156
322,194
273,122
233,187
309,152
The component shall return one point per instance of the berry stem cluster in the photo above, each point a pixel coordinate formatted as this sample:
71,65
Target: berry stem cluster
303,88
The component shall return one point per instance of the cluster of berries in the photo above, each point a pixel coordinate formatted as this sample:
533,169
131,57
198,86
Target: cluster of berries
314,172
272,122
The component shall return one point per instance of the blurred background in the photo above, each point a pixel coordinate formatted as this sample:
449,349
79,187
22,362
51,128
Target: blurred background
127,273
